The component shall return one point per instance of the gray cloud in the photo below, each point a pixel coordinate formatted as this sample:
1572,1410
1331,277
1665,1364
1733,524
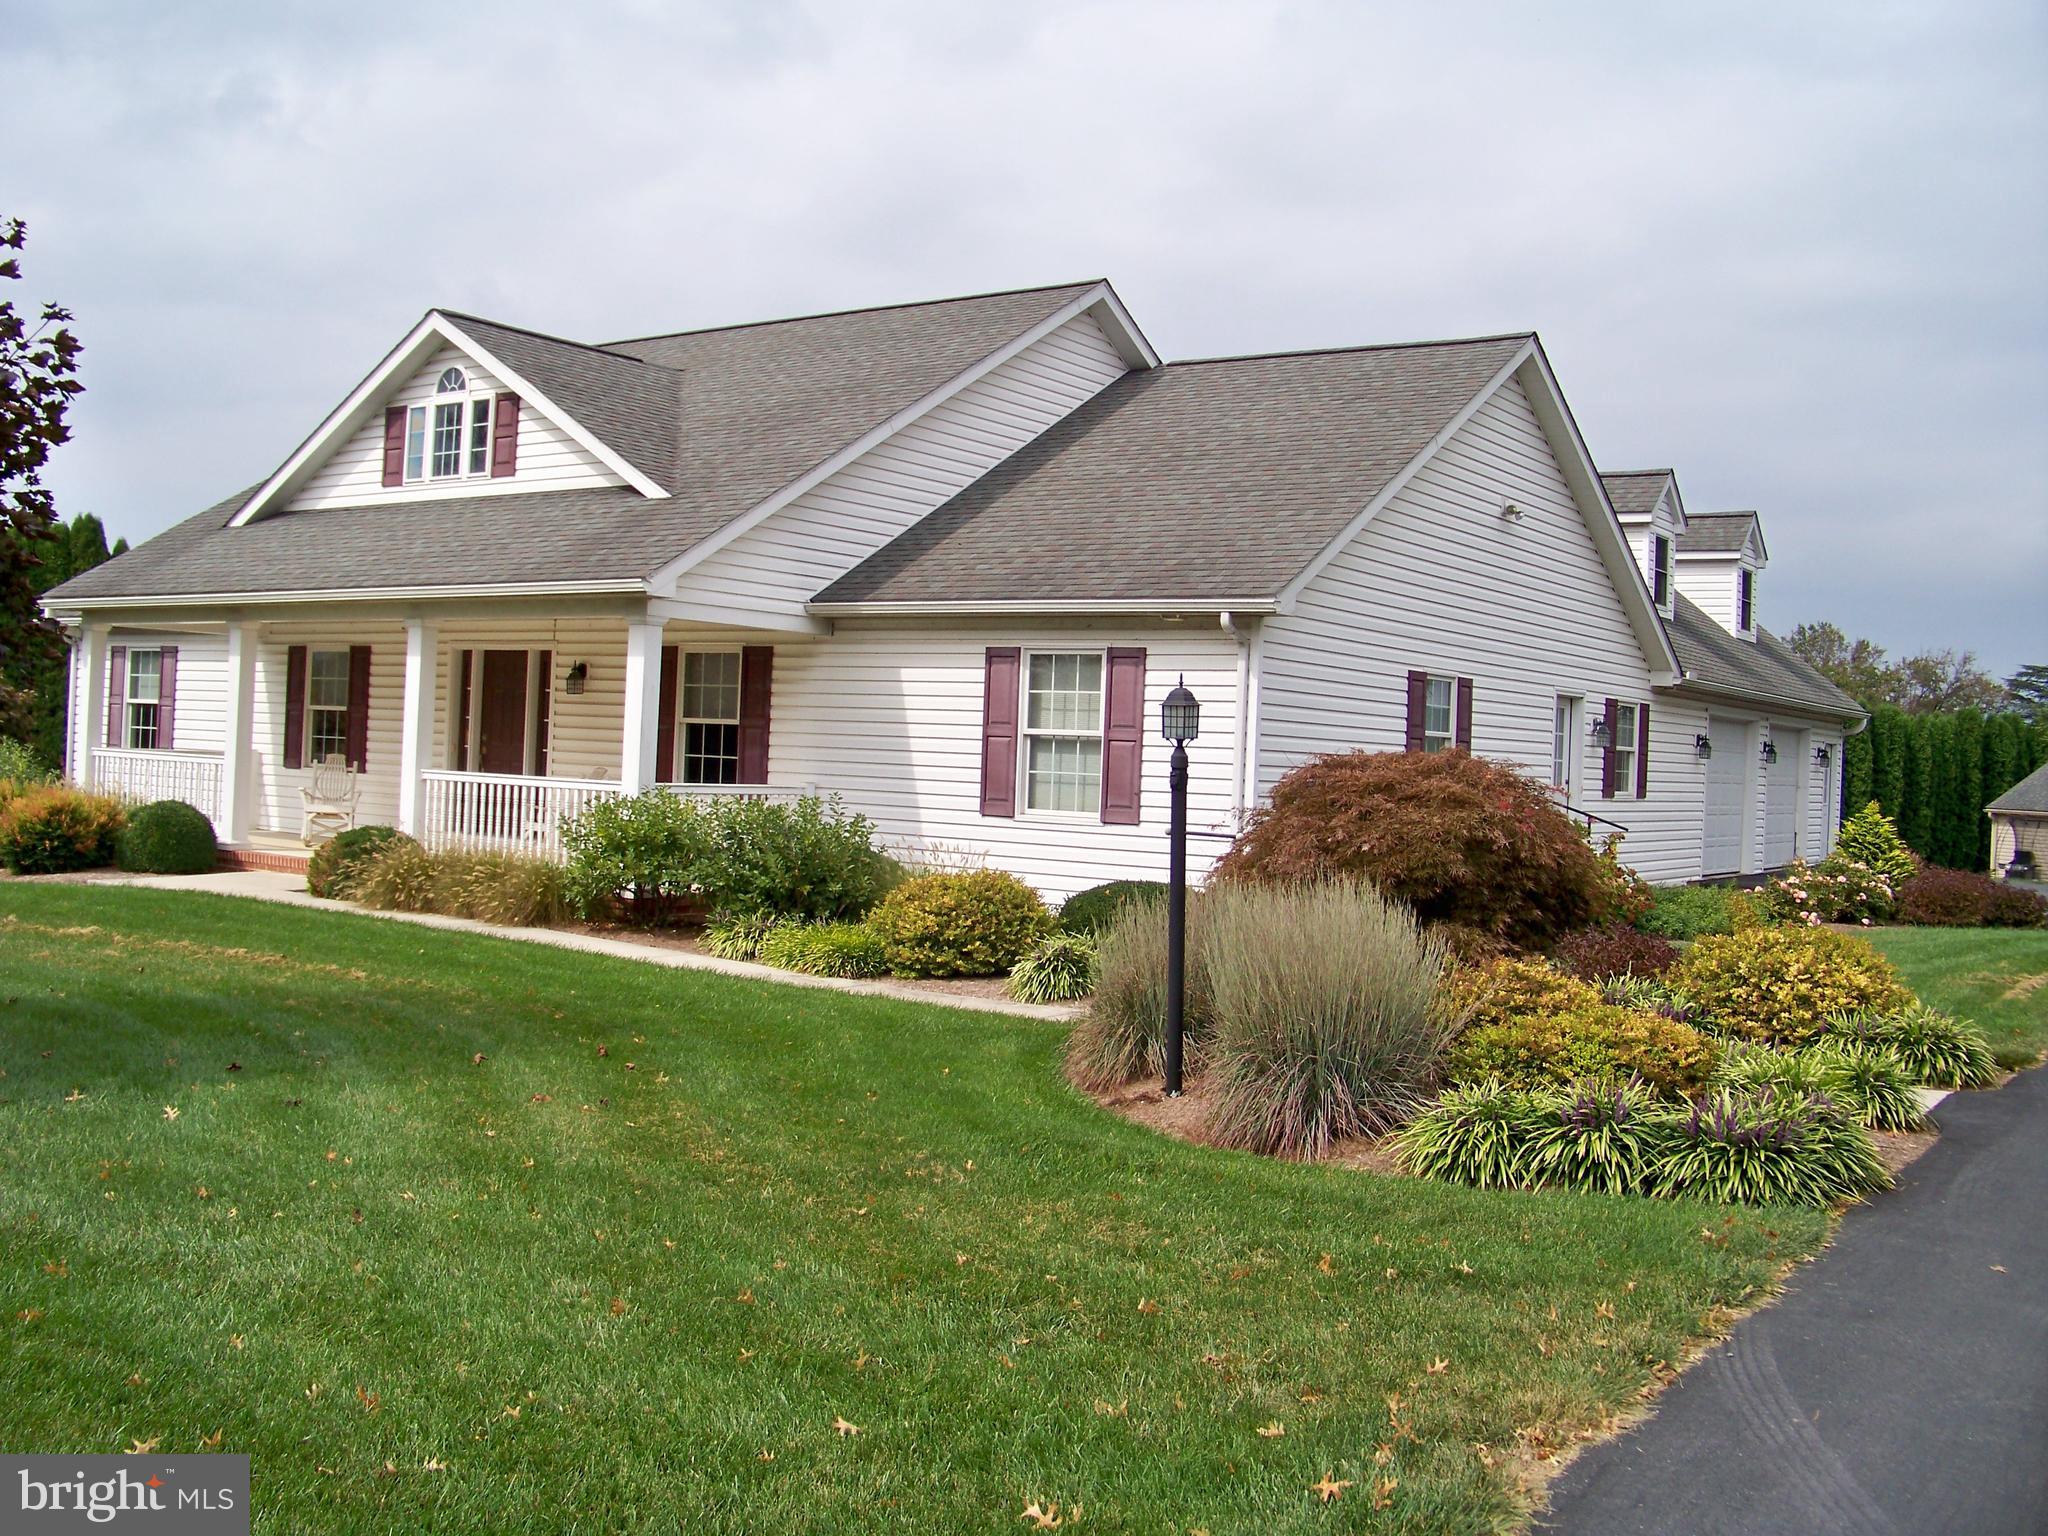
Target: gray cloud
1794,251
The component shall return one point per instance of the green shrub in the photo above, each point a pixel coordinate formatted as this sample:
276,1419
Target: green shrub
55,829
1871,838
508,889
166,837
400,876
1059,969
21,768
1461,839
1481,1135
1600,954
1594,1041
1836,890
739,938
975,924
1092,910
332,870
824,949
1325,1023
1780,984
644,850
1120,1038
1764,1149
1933,1047
1686,912
1602,1136
810,859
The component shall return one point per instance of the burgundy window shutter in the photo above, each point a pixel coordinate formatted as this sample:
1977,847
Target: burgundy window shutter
358,743
1642,751
462,712
1418,705
1123,735
1465,713
167,698
295,707
665,715
1607,750
117,696
757,681
394,445
1002,671
544,663
504,436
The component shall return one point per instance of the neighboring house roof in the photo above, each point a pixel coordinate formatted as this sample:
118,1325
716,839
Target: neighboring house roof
722,419
1718,533
1212,480
1635,492
1765,669
2029,795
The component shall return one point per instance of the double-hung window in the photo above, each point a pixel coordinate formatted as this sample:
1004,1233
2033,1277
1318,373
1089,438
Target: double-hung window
708,718
145,699
1564,743
1063,732
452,437
326,705
1660,570
1624,748
1440,715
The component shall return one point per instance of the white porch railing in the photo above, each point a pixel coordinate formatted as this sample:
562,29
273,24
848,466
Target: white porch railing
516,814
193,777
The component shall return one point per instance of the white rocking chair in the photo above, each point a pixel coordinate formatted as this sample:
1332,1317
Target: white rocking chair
330,801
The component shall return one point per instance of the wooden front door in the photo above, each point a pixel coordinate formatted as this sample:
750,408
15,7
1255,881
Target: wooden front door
501,713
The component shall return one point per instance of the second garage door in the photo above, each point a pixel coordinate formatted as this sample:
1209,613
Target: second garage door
1781,800
1727,769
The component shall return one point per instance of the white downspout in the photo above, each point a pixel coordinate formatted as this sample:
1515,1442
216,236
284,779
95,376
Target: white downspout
1244,745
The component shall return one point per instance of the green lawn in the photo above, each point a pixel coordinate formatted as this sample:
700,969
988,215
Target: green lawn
626,1270
1997,976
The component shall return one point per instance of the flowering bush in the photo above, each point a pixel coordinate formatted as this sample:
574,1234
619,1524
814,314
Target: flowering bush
1782,983
1836,890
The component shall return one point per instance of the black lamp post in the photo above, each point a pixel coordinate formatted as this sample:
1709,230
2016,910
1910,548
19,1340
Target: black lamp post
1180,719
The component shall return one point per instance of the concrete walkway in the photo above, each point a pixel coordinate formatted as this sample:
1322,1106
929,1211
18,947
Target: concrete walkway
1900,1387
290,890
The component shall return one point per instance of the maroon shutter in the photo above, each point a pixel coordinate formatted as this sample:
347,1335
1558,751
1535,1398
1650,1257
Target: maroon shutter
462,713
504,436
665,715
167,698
1465,713
394,445
545,665
1642,751
1001,674
358,742
1123,735
757,680
295,707
1418,705
117,696
1607,750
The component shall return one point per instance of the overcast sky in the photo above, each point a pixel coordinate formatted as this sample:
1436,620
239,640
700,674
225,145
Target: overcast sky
1796,251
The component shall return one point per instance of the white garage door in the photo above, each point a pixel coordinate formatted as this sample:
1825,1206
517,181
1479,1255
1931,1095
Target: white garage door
1781,800
1727,770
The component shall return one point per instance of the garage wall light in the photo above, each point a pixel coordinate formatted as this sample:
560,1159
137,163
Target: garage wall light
1702,747
1770,752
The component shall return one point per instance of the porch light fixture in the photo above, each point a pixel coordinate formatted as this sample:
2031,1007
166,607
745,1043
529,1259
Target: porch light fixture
1510,512
1599,731
1180,720
1702,746
1770,753
1823,755
579,674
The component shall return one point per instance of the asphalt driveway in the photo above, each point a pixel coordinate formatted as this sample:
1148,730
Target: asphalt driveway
1900,1386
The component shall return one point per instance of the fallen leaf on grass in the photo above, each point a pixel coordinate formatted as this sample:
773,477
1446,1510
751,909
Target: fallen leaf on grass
1330,1489
1327,1264
433,1464
1120,1411
1383,1492
133,1381
843,1428
371,1401
618,1306
210,1442
1272,1431
1045,1517
764,1455
1438,1366
746,1295
1147,1305
477,1060
142,1447
170,1111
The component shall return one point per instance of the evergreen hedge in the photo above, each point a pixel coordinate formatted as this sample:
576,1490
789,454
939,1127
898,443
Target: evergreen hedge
1934,774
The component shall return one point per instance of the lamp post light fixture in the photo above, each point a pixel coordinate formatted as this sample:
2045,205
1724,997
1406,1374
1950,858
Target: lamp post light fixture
1180,720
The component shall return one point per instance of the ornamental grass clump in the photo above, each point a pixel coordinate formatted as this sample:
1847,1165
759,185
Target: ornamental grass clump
1767,1149
1325,1022
1121,1037
399,877
1934,1047
851,950
1481,1135
739,937
1602,1136
507,889
336,863
1059,969
1869,1084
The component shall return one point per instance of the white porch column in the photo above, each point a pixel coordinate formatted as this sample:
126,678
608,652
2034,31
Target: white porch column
88,701
643,705
422,663
238,736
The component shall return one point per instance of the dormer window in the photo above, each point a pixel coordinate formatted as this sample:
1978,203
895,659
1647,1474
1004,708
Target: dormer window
1660,570
1745,600
451,439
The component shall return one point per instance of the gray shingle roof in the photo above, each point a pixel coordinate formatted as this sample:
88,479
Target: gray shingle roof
748,409
1634,492
1716,533
1205,480
1766,670
2030,794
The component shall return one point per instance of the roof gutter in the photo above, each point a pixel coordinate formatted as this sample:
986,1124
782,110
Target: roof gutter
1051,607
1857,719
341,595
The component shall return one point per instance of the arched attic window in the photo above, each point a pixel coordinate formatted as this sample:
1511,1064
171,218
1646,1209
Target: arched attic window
450,439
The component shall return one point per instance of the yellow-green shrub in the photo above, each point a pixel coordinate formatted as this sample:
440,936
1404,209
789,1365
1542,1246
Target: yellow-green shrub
975,924
1589,1041
1781,984
1505,990
54,829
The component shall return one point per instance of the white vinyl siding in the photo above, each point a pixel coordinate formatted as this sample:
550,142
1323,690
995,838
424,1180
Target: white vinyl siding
781,564
201,688
353,475
1523,608
1709,581
278,807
